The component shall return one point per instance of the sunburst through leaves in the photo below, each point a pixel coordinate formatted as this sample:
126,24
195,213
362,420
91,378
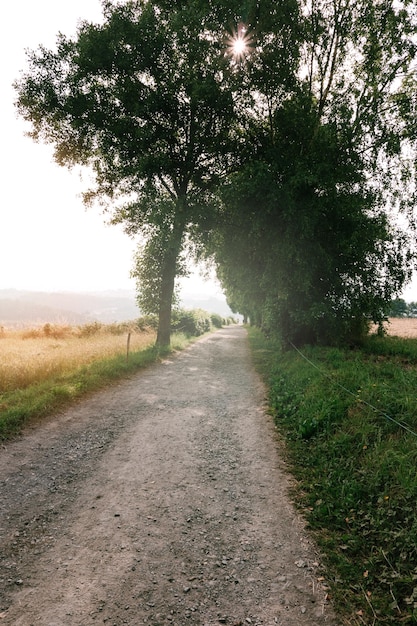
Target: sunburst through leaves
239,43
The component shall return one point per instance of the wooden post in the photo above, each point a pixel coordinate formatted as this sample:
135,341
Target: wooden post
128,348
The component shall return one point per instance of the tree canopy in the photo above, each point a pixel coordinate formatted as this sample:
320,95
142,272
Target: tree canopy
310,244
286,162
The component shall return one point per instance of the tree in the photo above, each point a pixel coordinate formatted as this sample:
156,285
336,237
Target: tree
399,308
143,100
149,262
319,253
309,134
314,256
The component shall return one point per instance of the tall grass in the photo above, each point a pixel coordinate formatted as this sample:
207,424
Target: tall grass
42,370
35,355
356,467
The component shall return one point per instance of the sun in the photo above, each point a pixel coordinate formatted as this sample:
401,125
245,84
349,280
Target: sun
239,43
239,47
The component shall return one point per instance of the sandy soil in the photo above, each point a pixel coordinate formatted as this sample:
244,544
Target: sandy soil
162,500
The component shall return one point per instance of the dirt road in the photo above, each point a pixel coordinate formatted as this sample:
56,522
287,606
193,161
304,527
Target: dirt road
162,500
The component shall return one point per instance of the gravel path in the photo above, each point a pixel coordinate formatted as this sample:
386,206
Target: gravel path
161,500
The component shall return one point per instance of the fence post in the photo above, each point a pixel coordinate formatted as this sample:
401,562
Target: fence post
128,347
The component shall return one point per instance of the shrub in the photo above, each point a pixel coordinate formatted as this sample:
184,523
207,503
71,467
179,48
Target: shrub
87,330
192,323
118,328
216,320
57,331
147,322
32,333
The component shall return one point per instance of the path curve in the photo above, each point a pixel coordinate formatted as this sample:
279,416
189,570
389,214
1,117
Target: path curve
161,500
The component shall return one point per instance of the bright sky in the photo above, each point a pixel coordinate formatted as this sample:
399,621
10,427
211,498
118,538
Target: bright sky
48,241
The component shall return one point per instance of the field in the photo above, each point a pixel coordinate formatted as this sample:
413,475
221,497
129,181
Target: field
33,355
402,327
45,369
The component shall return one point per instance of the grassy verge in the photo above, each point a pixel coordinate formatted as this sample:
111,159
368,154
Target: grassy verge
356,468
58,389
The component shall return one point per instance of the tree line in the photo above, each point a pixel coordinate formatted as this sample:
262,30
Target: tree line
275,140
400,308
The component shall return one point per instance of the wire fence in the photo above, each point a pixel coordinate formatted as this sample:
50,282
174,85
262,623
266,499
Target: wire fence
351,393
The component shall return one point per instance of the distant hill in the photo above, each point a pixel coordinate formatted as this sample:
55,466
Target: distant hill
22,308
26,308
211,304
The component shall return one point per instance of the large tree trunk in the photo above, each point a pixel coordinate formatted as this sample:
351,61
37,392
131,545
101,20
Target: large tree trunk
163,337
169,271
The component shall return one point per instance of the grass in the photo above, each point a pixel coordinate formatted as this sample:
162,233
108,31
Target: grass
355,467
44,370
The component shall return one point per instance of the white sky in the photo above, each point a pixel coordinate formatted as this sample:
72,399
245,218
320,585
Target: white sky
48,240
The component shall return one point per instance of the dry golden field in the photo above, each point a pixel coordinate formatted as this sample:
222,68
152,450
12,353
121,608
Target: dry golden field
30,356
402,327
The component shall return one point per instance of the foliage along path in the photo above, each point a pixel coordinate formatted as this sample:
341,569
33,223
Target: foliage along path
161,500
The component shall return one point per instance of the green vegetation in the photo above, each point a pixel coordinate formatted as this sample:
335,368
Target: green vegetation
190,322
400,308
197,322
355,466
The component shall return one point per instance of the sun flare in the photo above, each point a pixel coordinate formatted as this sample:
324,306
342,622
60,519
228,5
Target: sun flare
239,46
239,43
